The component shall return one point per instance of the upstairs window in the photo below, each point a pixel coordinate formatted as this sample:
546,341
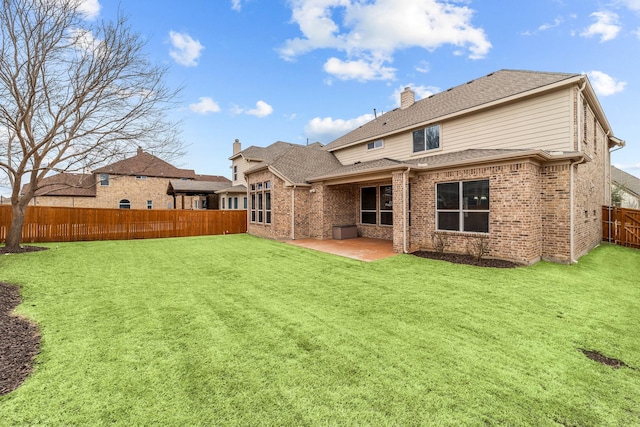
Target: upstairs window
426,139
149,204
235,173
375,144
104,179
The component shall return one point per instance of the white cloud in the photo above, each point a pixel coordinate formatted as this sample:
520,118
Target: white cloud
205,105
262,110
236,5
605,85
547,26
423,67
186,50
90,9
606,26
328,129
372,31
358,70
631,4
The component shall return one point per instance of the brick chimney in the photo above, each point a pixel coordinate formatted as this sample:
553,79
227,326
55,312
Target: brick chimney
237,147
407,98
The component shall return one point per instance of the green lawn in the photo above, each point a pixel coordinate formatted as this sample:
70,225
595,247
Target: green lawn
237,330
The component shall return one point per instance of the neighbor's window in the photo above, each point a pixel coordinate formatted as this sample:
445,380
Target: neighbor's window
245,203
235,173
375,144
125,204
386,205
141,177
463,206
235,203
149,204
104,179
260,202
426,139
223,199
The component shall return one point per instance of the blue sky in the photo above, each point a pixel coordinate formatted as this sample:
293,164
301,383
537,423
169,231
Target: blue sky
311,70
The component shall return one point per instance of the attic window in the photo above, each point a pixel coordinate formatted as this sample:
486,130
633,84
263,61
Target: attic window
375,144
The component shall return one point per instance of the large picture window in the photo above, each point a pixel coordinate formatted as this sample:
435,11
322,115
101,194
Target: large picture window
426,139
260,202
376,205
463,206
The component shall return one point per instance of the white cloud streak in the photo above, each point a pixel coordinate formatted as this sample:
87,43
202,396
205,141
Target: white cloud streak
606,26
185,50
262,110
327,129
370,33
236,5
90,9
205,105
604,84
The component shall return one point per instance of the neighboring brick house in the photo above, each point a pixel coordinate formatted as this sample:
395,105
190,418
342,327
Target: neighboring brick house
625,189
138,182
517,159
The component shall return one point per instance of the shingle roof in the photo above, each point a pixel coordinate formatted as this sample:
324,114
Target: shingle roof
195,187
259,154
66,184
628,181
233,189
148,165
492,87
213,178
299,162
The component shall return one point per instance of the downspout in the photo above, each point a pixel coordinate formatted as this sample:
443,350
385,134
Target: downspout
293,212
580,109
572,210
405,227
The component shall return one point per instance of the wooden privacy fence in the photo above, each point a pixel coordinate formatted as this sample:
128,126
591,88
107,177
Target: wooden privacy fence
621,226
56,224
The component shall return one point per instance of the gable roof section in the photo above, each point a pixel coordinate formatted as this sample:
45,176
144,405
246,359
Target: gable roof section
626,180
260,154
491,88
298,162
66,184
187,186
148,165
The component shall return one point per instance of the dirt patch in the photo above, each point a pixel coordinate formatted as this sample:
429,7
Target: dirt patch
21,249
466,259
600,358
19,341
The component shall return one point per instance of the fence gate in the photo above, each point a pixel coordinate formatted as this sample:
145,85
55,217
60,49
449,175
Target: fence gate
621,226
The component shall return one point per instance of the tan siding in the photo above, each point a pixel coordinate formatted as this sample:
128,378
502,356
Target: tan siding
544,122
243,165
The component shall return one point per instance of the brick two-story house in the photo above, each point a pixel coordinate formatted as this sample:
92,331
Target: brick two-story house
142,181
518,159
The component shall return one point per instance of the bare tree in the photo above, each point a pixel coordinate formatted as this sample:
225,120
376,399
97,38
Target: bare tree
74,94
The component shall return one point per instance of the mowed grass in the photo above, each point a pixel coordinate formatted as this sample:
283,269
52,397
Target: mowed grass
237,330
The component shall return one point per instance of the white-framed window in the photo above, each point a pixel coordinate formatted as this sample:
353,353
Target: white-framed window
149,204
104,179
235,172
426,139
463,206
261,202
245,202
379,143
124,204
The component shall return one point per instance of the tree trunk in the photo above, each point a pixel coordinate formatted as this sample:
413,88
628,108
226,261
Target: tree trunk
14,234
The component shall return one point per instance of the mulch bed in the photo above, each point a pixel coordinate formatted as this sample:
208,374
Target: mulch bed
19,341
466,259
22,249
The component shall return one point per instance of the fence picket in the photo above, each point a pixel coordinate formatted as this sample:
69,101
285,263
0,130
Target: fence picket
621,226
58,224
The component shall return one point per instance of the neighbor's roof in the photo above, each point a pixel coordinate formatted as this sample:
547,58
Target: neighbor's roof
188,186
66,184
147,165
628,181
484,90
212,178
233,189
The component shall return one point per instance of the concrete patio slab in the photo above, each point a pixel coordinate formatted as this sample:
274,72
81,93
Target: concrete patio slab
361,248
